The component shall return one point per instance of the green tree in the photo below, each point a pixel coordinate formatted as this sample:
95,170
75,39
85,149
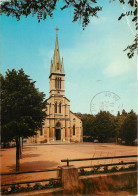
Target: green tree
129,128
119,121
133,14
23,108
87,121
124,113
104,126
83,10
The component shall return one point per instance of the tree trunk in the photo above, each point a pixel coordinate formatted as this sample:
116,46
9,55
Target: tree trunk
22,143
116,139
20,147
17,154
4,144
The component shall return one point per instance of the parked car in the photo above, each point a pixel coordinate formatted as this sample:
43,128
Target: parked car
96,141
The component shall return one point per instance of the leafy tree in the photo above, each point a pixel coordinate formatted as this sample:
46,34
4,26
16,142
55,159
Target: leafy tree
87,121
104,126
118,125
119,121
83,10
131,112
129,128
132,12
23,108
124,113
43,8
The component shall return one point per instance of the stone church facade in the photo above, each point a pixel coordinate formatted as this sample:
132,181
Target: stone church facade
60,124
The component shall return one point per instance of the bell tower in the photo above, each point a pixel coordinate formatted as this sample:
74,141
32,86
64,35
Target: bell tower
57,74
60,125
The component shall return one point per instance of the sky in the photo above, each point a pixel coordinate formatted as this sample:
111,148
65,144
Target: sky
99,75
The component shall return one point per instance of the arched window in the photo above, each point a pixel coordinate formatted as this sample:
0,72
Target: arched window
56,83
73,129
56,107
60,83
60,107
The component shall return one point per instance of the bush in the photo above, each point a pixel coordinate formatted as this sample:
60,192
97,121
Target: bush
105,169
37,186
96,170
114,169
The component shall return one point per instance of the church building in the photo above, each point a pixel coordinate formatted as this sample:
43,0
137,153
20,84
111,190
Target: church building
61,124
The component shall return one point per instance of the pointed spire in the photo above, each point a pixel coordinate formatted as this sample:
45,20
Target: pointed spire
57,65
62,65
57,29
51,69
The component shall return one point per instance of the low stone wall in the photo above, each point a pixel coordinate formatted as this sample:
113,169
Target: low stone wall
108,182
97,183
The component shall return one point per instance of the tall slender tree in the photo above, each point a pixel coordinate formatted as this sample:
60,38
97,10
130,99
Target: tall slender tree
23,108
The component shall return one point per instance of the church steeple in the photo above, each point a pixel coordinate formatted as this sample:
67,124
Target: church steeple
57,66
57,74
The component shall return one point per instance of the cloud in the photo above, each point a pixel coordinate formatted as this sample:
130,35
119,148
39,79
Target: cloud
80,56
133,85
83,54
120,65
95,49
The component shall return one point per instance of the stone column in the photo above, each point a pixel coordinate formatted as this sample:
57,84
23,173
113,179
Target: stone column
47,123
68,130
48,130
70,178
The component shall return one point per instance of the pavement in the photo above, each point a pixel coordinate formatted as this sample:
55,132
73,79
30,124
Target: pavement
43,156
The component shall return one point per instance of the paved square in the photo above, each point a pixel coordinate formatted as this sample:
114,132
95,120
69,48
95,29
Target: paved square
45,156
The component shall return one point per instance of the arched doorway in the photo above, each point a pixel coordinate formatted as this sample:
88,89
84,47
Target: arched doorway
58,131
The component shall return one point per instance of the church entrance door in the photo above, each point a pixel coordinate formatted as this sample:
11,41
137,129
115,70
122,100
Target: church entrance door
58,134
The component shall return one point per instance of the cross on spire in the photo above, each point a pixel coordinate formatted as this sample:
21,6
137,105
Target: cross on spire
57,29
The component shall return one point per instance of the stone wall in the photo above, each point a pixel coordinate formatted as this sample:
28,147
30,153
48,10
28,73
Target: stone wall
97,183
